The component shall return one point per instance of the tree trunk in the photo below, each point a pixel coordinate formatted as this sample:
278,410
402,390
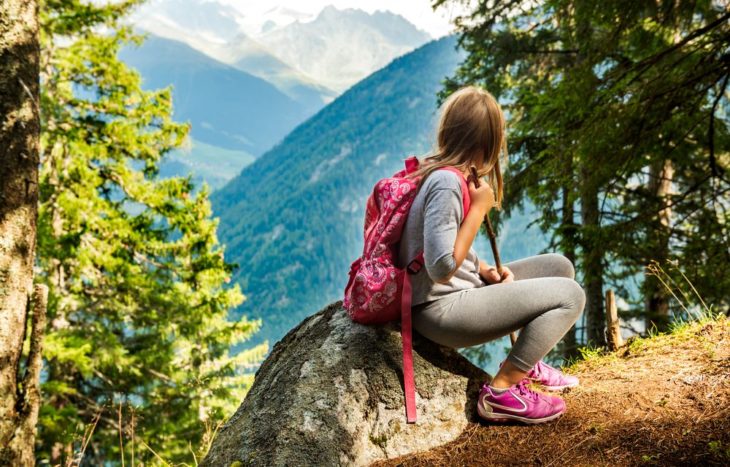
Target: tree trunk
656,296
19,149
592,260
570,341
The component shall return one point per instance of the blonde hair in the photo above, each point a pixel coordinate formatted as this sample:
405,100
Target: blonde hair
471,131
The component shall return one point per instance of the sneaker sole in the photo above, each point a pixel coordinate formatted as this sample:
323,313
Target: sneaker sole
503,417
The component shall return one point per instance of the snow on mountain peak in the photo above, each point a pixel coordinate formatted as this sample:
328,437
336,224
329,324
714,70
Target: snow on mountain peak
335,48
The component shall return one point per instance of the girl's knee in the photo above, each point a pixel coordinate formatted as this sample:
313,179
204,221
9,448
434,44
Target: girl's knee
577,297
563,266
573,297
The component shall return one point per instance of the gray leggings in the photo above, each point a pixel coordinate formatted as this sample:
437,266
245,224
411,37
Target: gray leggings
543,300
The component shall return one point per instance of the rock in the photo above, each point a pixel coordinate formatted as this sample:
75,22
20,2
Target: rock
330,393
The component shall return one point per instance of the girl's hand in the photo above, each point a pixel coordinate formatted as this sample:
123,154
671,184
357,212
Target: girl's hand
482,198
507,275
492,276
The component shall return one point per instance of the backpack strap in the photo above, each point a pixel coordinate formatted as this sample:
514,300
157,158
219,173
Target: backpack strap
411,164
465,198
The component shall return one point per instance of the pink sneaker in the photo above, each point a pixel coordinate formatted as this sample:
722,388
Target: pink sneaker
551,378
520,403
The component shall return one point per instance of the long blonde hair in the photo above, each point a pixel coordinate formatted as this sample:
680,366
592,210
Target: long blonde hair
471,131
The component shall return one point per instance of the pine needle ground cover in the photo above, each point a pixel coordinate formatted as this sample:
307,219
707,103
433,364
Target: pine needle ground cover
660,400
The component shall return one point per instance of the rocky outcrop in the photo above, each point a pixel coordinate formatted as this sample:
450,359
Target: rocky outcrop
330,393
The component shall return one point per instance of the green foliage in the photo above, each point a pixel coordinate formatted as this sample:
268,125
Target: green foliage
138,342
617,133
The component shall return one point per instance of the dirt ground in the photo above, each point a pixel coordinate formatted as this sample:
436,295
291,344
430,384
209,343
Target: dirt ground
657,401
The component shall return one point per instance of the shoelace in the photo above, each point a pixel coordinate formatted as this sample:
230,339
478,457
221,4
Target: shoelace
526,391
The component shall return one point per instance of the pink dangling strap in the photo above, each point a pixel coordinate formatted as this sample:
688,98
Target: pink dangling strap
406,336
409,385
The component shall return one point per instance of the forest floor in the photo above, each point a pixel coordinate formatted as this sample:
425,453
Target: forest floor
660,400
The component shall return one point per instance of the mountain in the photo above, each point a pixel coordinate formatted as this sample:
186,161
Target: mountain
212,21
293,219
311,58
273,17
227,107
340,47
219,31
248,55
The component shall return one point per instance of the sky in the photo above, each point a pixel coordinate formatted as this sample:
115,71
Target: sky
418,12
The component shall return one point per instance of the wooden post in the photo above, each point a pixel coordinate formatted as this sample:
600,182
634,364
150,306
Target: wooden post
613,333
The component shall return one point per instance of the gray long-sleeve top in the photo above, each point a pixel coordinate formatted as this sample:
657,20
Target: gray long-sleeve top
432,224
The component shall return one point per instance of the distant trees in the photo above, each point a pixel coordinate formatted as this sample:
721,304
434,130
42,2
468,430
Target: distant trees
137,359
617,134
21,321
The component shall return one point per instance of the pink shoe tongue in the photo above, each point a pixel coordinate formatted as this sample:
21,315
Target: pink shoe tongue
546,374
536,370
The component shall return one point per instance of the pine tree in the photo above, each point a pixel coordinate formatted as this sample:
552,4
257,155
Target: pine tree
612,109
138,346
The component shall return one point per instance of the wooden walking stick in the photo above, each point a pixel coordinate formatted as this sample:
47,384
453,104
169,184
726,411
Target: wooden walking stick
492,241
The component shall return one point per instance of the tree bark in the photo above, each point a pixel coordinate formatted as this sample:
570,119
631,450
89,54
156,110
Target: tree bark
19,150
656,296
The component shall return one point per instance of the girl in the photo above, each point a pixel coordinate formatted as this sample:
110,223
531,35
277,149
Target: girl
461,301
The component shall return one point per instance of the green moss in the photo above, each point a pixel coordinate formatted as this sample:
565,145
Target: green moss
719,450
380,441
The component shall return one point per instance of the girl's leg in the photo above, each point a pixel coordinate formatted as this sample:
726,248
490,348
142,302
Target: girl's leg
545,265
544,307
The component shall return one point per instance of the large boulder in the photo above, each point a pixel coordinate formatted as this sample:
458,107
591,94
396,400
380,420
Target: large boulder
331,393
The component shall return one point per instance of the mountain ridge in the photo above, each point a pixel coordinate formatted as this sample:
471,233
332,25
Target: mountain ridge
228,107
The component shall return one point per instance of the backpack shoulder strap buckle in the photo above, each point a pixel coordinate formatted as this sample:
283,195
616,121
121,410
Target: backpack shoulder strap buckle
416,264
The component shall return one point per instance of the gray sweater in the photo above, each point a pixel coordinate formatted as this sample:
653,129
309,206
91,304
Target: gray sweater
432,225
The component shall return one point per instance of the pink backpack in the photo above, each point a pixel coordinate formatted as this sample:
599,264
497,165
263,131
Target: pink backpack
378,291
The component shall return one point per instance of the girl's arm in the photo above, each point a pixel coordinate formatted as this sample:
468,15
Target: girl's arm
465,237
446,242
482,200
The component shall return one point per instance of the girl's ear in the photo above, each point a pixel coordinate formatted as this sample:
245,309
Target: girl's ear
486,170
